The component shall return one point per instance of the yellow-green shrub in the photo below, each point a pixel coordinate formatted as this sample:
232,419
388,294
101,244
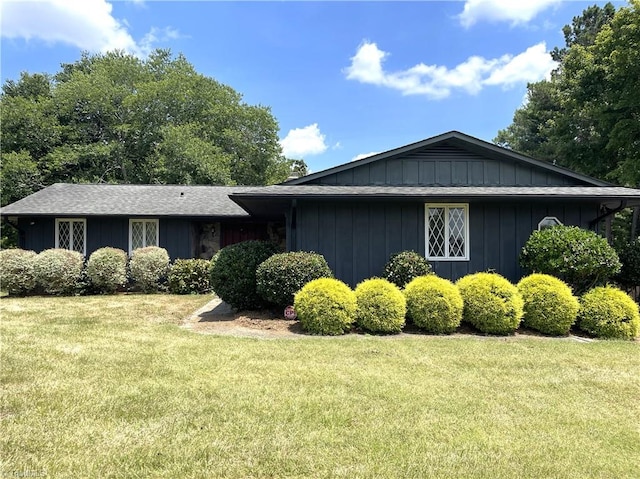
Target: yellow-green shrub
325,306
491,303
549,305
434,304
107,269
608,312
381,307
58,271
17,275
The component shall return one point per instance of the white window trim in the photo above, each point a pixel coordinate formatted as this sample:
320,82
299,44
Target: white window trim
145,221
71,220
447,206
547,218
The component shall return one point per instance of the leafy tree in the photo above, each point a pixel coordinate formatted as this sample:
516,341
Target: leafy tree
583,29
115,118
587,116
557,123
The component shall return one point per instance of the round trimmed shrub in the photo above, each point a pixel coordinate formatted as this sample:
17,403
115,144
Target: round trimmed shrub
491,303
434,304
629,275
149,267
189,276
58,271
549,305
233,275
17,276
608,312
107,269
578,257
325,306
281,276
405,266
381,306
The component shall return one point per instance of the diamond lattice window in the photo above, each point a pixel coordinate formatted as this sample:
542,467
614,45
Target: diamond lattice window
71,234
447,232
142,233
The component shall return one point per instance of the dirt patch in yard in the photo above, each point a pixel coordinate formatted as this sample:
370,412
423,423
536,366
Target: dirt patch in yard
219,318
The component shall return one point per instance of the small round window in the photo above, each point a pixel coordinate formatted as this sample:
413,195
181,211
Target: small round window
548,222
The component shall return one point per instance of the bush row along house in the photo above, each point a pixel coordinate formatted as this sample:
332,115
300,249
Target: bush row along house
466,204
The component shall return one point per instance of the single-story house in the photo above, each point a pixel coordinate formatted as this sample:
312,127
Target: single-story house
466,204
189,221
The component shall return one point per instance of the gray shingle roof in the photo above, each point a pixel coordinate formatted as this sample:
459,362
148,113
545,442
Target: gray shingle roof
265,199
63,199
311,191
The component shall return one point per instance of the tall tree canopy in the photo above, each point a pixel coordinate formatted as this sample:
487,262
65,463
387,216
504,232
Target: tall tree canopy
587,116
119,119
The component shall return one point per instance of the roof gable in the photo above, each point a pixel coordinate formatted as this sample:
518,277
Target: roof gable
450,159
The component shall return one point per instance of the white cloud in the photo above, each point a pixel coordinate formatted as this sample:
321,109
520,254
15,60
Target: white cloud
364,155
301,142
437,81
87,24
533,64
513,11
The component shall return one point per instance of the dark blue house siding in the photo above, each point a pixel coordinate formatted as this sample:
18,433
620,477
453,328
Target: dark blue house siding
446,165
175,234
36,233
357,238
106,231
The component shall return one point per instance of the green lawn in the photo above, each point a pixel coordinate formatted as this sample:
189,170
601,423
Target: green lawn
112,387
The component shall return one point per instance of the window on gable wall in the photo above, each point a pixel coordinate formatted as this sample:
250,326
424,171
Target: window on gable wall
447,232
142,233
71,234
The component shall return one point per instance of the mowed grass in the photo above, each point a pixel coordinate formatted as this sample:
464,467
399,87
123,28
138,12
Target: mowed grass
113,387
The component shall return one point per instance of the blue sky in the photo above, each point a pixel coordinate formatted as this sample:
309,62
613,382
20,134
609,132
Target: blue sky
343,79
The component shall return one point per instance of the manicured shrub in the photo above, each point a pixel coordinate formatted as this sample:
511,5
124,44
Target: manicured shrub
381,306
491,303
325,306
17,275
629,275
282,275
149,267
434,304
404,266
189,276
107,269
607,312
549,305
233,275
579,257
58,271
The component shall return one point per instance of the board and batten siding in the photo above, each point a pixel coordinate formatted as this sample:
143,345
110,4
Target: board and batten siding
175,234
357,238
446,165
